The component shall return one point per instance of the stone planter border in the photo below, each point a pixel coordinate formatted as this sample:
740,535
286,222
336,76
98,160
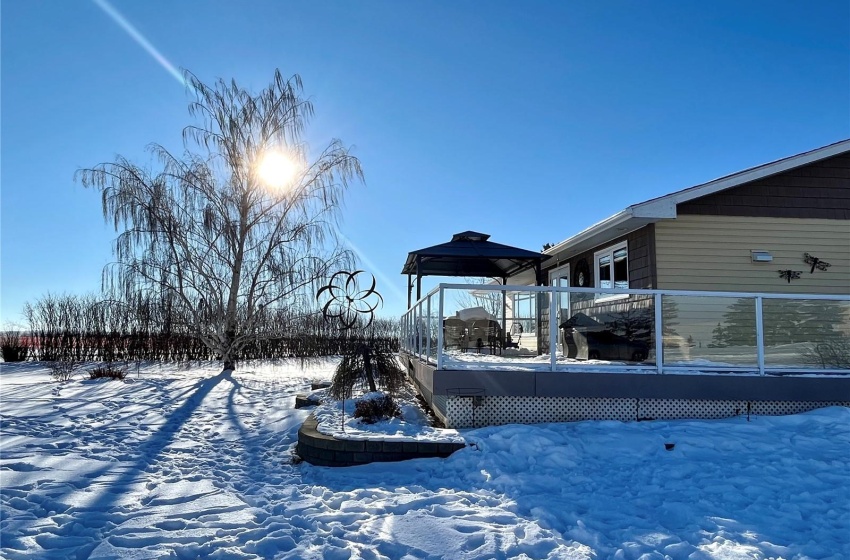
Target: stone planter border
327,451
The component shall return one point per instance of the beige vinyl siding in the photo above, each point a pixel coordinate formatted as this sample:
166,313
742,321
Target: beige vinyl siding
695,252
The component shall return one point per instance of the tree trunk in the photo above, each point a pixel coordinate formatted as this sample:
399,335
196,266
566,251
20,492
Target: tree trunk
235,280
228,356
367,364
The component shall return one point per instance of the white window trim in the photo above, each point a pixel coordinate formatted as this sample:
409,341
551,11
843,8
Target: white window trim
597,281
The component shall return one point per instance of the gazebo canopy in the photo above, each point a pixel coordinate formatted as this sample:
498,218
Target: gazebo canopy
471,254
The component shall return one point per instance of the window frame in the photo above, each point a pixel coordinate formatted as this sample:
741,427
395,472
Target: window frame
528,323
597,278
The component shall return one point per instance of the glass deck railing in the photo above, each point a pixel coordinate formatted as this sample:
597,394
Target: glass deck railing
491,327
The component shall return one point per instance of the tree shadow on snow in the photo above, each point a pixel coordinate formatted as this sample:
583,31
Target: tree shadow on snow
96,518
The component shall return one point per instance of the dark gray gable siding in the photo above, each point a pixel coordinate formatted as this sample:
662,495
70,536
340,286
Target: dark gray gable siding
817,190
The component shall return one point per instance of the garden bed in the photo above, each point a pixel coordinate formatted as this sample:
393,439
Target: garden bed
327,450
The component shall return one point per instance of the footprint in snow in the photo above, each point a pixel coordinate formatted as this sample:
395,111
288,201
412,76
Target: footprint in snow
19,467
171,525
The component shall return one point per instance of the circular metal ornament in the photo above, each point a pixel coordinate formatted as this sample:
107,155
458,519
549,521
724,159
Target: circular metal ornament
343,299
582,273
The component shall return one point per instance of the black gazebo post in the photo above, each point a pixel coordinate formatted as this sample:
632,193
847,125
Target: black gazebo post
418,277
504,309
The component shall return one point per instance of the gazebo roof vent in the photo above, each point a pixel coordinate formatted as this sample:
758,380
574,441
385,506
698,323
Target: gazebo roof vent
470,236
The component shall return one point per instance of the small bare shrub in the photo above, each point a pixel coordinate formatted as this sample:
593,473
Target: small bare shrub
63,370
107,371
373,409
13,346
833,353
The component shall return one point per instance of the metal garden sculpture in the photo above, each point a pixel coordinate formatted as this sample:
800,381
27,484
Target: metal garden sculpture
815,262
365,363
790,275
346,302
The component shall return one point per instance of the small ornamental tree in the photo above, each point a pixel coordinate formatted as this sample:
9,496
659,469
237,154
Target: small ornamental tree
364,369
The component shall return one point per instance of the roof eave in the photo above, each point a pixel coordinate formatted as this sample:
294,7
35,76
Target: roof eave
595,229
596,235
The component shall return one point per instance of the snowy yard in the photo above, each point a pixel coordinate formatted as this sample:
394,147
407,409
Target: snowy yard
192,463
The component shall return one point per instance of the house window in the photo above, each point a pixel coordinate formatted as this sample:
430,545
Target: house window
612,267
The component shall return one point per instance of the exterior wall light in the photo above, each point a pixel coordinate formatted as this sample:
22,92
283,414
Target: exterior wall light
761,256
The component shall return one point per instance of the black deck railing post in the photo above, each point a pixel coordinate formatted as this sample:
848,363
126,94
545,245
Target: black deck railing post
418,277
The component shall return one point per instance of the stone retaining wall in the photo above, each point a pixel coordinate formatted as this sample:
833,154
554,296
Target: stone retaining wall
327,451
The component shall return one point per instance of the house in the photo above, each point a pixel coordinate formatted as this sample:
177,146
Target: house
731,234
735,291
758,230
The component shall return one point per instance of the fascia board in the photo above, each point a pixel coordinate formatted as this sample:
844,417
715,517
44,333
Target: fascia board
591,232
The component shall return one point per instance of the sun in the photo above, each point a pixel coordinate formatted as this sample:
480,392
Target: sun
276,169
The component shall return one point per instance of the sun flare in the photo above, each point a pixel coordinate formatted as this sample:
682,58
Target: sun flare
276,169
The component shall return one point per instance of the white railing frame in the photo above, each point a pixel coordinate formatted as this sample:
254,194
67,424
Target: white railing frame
759,335
553,332
440,333
659,340
418,329
659,367
428,329
613,291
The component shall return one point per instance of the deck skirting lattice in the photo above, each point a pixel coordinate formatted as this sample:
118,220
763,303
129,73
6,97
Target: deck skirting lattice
477,411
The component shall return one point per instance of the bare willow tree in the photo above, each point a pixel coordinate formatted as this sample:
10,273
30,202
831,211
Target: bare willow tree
206,231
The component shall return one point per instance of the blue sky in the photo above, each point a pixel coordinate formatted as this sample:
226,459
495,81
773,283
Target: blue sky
529,121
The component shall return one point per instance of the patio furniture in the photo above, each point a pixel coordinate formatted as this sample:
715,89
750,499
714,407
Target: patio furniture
516,330
454,334
486,332
473,314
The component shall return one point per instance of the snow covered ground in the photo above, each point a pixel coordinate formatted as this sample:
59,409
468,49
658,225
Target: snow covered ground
193,463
